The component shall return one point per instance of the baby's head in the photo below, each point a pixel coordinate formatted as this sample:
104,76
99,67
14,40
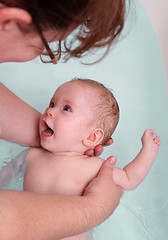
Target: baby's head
82,114
105,107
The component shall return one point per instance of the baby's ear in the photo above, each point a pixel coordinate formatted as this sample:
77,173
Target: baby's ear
94,139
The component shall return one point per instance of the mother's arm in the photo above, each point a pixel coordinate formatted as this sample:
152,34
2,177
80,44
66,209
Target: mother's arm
18,120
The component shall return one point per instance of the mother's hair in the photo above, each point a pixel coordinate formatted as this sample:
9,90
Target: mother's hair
98,23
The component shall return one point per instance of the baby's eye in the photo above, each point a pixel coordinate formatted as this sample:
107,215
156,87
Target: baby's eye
51,104
67,108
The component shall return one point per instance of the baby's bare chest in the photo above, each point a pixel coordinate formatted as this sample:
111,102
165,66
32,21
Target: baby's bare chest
59,175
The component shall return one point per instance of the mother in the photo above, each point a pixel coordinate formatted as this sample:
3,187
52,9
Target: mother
26,28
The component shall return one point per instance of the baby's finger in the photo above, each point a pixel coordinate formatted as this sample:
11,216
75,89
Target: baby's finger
153,135
157,140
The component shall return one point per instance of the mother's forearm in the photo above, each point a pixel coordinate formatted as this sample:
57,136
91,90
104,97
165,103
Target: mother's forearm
18,120
26,215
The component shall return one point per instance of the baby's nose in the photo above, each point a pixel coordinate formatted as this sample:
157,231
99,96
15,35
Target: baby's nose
49,113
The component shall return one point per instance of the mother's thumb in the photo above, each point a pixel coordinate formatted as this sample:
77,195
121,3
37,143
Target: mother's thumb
107,167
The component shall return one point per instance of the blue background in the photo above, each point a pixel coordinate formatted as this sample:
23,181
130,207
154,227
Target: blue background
134,70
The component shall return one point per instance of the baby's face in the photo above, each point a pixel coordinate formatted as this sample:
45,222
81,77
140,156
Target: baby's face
68,119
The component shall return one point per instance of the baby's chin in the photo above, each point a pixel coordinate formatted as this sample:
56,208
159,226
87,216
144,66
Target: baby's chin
59,149
44,145
52,149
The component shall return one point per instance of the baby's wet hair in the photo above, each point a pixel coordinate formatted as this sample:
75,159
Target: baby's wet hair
106,115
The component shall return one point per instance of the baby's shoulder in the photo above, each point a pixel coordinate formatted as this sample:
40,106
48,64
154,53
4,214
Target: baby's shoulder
97,159
95,162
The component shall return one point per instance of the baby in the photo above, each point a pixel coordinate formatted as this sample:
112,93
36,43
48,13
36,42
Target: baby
82,114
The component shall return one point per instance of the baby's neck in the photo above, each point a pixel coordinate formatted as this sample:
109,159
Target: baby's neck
68,153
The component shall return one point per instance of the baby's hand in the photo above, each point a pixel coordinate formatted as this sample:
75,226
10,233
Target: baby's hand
150,140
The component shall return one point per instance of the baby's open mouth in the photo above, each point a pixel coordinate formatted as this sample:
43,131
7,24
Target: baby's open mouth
47,131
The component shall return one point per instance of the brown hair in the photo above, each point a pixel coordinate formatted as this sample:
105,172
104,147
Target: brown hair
106,111
98,23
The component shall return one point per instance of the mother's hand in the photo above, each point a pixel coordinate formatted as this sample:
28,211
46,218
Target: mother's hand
103,193
98,149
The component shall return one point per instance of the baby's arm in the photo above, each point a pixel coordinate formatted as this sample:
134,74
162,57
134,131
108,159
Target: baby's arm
135,172
11,169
